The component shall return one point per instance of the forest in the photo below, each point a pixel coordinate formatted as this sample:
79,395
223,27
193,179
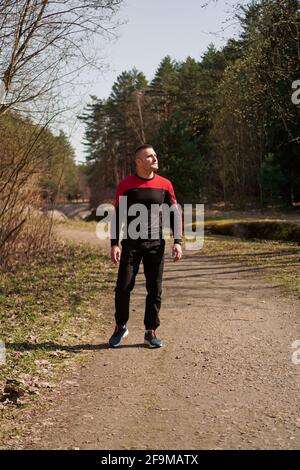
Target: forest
225,126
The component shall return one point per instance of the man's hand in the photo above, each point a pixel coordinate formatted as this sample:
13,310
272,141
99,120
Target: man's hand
115,254
176,252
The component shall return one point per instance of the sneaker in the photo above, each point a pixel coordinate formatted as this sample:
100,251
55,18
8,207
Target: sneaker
119,333
151,340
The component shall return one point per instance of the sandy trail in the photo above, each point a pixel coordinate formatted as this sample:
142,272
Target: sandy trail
224,378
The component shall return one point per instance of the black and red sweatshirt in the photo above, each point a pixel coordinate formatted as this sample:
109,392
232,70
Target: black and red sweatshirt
155,191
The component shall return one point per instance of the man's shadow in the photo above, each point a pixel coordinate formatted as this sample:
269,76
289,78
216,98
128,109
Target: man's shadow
77,348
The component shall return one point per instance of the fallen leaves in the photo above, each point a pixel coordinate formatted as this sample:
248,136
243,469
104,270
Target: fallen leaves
23,387
47,313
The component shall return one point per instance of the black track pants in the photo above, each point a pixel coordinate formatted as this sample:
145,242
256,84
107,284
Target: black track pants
152,254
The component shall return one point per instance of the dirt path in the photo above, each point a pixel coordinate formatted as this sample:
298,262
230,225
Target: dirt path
224,378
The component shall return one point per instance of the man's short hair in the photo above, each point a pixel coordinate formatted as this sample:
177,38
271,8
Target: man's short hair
142,147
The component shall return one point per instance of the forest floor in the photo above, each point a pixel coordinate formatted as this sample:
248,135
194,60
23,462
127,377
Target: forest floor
224,379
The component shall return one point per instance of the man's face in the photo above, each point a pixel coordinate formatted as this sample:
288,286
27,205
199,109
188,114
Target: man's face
147,159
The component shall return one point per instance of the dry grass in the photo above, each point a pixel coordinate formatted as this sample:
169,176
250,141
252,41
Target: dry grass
77,224
279,261
49,313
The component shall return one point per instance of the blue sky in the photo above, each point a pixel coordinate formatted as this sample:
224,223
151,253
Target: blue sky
152,29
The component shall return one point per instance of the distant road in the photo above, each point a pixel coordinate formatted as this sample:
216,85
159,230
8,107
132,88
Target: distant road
80,209
72,209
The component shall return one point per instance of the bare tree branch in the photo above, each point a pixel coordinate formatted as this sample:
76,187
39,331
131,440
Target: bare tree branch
47,36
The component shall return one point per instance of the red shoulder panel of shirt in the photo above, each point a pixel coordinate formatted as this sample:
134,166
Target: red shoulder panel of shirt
134,182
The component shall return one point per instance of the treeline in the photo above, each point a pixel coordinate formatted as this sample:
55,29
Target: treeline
44,44
36,169
225,126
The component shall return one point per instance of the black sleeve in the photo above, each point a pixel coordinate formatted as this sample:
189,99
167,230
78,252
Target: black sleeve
175,218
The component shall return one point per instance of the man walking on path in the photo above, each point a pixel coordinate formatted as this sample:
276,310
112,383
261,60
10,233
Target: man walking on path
150,190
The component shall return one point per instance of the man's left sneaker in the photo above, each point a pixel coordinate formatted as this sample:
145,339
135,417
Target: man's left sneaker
151,340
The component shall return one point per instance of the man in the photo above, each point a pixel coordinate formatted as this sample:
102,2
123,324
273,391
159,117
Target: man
151,190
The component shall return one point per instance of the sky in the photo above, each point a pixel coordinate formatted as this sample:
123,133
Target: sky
151,30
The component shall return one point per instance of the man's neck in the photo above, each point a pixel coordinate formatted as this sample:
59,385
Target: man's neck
145,175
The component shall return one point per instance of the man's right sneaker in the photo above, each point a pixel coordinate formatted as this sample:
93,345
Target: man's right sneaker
119,333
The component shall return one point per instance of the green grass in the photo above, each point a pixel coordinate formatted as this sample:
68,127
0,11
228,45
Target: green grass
49,312
261,229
